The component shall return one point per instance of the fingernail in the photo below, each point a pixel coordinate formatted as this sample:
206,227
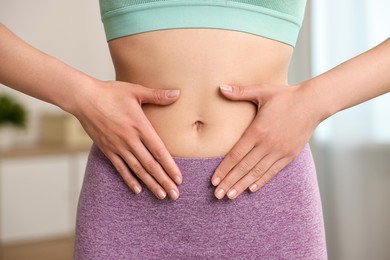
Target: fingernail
178,179
253,187
161,193
232,193
216,181
173,194
172,93
137,189
219,194
227,88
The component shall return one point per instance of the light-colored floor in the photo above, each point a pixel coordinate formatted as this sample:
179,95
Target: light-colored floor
54,249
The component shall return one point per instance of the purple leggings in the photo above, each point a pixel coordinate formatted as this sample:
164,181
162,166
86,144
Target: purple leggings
283,220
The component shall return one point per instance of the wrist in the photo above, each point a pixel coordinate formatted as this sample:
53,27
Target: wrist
82,89
318,103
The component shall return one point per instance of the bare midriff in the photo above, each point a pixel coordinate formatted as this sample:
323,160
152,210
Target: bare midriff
202,122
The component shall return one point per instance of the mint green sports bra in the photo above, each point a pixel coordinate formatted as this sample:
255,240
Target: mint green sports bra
279,20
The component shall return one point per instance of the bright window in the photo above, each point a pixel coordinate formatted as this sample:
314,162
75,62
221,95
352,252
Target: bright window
341,30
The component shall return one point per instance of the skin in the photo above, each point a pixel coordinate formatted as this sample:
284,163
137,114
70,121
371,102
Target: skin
151,124
202,123
92,102
299,110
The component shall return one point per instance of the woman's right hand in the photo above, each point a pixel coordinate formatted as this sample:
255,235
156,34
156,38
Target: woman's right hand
111,114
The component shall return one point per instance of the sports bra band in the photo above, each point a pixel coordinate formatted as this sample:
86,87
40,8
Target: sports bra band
279,20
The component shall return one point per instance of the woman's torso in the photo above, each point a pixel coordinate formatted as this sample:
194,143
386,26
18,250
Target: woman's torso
202,123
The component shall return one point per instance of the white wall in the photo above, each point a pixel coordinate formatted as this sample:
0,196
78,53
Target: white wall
69,30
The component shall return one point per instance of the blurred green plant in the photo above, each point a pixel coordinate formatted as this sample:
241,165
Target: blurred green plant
12,112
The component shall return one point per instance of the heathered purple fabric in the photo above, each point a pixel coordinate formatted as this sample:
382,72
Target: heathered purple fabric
283,220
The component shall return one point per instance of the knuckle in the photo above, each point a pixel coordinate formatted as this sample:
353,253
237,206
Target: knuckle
125,174
127,129
243,167
258,171
259,130
121,169
286,150
293,154
272,141
159,154
158,95
290,155
137,169
240,91
151,166
235,156
109,154
141,128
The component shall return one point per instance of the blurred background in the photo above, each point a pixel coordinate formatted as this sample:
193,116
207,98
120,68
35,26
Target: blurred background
41,173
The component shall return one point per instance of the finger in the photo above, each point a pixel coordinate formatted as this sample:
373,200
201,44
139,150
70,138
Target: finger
158,96
238,172
125,173
235,155
253,175
252,94
275,169
151,166
143,175
157,148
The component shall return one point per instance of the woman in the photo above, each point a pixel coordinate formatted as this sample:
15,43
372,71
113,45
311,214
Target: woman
200,102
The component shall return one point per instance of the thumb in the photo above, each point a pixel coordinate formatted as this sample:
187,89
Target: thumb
159,96
241,93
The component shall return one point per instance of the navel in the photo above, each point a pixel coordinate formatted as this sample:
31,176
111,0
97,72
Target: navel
198,125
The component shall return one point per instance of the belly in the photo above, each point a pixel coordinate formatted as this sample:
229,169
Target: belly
201,123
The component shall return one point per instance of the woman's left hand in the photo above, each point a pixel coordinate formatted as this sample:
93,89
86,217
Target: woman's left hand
284,123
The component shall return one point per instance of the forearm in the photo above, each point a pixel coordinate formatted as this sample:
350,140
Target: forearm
352,82
34,73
